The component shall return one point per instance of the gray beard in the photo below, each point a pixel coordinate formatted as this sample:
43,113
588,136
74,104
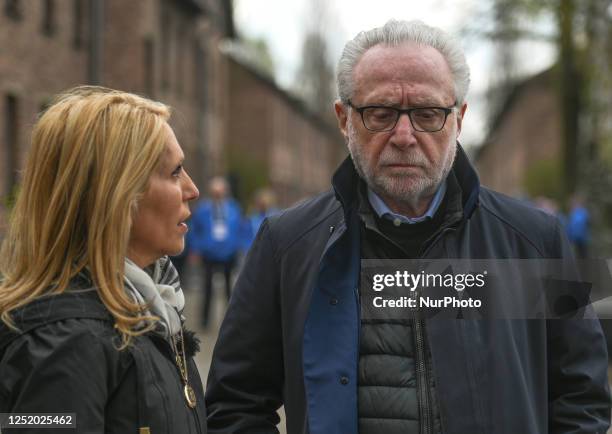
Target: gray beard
405,189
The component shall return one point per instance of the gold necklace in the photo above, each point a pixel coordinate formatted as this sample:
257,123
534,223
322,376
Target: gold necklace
181,363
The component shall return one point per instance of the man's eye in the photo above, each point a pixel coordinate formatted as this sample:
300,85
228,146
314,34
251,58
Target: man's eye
381,114
426,114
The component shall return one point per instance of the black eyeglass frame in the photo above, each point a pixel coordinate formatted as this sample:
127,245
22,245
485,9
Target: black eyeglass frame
447,111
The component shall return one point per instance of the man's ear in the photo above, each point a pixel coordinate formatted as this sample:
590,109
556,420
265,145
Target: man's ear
460,115
342,116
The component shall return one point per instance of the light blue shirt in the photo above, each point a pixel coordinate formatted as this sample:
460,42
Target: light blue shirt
382,210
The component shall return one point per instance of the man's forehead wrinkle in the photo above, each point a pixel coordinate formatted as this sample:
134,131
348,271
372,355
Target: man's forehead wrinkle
383,92
390,72
423,58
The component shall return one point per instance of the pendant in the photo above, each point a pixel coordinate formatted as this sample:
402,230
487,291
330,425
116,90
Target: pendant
190,396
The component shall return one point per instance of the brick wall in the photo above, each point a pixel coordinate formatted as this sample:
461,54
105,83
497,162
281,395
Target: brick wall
34,66
297,151
527,131
164,49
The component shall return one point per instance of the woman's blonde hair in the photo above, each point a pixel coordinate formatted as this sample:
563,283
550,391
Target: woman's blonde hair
93,151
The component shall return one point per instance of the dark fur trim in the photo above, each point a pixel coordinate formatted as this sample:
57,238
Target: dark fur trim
192,343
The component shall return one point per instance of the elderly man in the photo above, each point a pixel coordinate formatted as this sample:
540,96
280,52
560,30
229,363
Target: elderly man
294,333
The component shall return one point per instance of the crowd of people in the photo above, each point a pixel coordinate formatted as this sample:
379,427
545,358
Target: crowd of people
220,235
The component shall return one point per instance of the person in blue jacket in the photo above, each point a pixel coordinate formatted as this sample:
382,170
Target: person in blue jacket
578,226
299,330
215,238
263,206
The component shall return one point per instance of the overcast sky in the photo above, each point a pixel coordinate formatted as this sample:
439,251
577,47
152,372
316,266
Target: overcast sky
282,24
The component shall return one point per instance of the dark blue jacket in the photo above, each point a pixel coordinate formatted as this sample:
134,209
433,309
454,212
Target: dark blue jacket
291,333
202,236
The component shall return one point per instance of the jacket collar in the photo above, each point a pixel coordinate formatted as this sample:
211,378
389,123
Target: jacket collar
346,180
345,183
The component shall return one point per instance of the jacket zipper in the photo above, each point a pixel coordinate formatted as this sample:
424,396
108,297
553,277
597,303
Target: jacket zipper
422,371
425,410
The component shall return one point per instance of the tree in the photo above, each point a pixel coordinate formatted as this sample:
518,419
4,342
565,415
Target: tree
259,54
583,38
315,82
579,26
315,77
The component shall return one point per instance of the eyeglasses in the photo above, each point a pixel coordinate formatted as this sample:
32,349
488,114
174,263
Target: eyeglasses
423,119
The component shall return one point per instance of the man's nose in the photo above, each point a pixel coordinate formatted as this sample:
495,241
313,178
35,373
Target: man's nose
403,133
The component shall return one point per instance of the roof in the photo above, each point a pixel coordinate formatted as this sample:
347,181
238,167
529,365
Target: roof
235,53
540,79
194,6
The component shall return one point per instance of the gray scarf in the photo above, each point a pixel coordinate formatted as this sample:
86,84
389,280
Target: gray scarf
160,289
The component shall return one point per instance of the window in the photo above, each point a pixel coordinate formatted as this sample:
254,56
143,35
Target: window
200,76
166,35
179,59
48,22
79,24
12,9
11,141
149,66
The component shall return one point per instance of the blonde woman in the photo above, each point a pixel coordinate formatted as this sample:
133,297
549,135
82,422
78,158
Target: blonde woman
91,307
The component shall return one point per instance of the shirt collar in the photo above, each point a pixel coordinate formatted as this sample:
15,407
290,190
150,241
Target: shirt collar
382,210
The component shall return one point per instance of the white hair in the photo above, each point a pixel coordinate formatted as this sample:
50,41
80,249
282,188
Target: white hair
395,33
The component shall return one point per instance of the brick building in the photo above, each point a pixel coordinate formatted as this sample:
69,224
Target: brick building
165,49
524,140
272,139
37,41
229,118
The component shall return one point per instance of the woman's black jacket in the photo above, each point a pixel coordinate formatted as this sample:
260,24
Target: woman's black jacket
64,359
